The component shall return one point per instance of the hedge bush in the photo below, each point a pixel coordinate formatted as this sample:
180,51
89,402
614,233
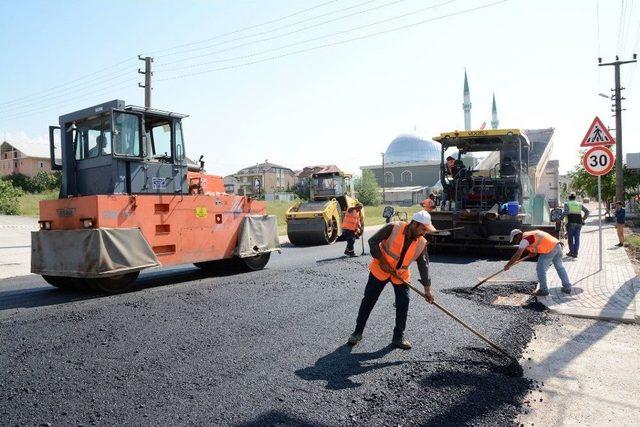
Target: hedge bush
43,181
9,198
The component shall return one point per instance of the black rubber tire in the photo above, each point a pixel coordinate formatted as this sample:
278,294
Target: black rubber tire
114,284
65,283
255,263
331,231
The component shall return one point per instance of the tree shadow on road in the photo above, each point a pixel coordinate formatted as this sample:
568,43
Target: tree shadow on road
337,367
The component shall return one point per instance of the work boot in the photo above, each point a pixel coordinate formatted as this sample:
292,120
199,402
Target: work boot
354,339
566,291
402,343
540,293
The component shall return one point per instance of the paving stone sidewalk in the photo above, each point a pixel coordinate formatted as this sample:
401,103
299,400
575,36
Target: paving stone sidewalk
612,293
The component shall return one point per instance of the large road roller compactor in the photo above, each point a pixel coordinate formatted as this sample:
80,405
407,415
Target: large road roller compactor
130,199
319,220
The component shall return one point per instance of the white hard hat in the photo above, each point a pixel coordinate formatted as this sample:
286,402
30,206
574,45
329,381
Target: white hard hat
423,217
514,233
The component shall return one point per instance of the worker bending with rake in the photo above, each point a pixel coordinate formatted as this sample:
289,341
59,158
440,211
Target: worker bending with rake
549,250
352,228
393,248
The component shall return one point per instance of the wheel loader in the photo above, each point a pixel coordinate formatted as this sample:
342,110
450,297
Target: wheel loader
319,220
130,200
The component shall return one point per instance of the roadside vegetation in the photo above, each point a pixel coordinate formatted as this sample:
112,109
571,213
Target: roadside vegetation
20,194
632,242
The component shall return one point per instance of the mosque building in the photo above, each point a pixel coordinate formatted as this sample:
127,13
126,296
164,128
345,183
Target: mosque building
411,163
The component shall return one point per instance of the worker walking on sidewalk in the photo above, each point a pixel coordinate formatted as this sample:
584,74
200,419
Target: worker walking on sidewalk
352,228
393,248
549,250
573,211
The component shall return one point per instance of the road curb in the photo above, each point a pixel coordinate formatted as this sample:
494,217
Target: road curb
637,302
625,316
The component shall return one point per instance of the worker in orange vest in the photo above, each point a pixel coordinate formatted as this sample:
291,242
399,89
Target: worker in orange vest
393,248
429,203
549,250
352,227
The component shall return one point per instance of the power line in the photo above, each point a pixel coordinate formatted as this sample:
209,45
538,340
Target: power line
312,18
349,30
65,85
64,92
337,43
623,6
75,96
627,25
278,36
273,21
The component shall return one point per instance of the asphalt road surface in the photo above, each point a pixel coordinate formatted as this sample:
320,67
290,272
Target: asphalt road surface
259,348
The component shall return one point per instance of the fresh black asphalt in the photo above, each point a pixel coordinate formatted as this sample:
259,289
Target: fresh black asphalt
263,348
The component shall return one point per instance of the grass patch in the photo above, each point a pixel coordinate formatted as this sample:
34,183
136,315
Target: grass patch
279,209
29,203
373,214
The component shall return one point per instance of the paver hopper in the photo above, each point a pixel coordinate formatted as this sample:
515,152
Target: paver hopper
484,205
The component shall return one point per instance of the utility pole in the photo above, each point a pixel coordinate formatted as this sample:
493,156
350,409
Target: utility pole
147,80
384,178
618,115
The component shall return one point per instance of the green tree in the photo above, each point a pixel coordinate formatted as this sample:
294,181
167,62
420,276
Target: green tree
586,184
43,181
368,189
302,189
9,198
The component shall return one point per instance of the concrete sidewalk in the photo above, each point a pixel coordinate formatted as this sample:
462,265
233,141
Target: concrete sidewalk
612,293
15,245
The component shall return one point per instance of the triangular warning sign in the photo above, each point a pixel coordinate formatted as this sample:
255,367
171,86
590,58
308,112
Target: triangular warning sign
597,135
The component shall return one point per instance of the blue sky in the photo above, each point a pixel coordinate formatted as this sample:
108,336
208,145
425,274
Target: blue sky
339,104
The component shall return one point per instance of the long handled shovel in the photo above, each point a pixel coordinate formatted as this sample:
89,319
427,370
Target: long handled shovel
495,274
513,369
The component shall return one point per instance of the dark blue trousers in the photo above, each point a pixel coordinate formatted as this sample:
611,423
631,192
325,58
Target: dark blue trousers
372,291
350,237
573,235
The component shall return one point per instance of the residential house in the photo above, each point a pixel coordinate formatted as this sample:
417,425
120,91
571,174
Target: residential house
26,156
264,179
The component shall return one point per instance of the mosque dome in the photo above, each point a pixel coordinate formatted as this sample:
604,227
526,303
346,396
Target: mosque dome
412,148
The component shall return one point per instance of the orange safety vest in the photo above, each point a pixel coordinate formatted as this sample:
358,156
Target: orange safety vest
351,220
428,204
391,249
543,243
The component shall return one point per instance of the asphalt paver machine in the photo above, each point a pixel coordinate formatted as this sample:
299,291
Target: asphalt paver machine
130,200
319,220
484,204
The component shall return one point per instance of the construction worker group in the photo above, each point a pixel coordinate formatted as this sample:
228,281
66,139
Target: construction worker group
395,246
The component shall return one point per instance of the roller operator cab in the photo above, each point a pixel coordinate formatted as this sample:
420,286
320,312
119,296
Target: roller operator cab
319,220
486,189
130,199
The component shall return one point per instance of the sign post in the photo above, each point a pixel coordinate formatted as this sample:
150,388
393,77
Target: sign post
598,161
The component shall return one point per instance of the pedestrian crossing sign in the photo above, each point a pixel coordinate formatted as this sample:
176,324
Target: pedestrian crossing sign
597,135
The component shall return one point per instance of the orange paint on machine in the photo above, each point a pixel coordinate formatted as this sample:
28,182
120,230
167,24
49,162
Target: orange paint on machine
137,202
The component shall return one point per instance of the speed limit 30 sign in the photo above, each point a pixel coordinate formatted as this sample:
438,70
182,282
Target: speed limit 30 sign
598,161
